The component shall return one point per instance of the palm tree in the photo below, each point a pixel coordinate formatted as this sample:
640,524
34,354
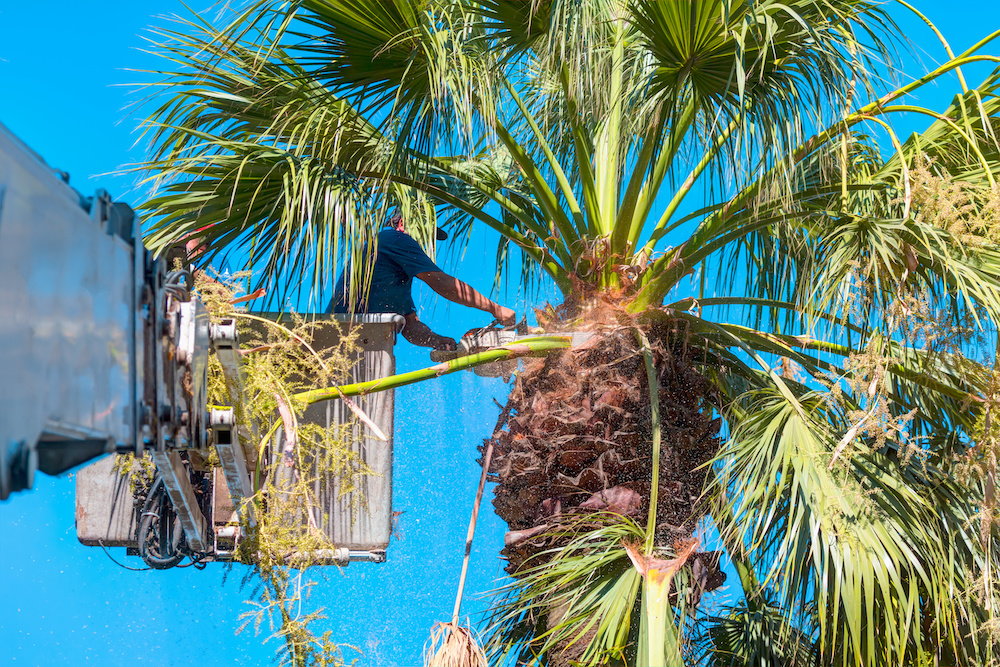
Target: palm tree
824,402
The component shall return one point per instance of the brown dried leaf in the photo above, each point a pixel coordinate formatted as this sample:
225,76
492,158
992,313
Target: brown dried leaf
617,499
516,536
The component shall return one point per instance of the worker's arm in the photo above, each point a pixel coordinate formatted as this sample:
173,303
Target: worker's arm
455,290
421,335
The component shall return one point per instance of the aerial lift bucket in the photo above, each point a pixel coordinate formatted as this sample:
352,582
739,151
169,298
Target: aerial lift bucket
355,514
356,518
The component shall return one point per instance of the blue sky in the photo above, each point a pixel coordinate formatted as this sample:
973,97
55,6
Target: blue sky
63,70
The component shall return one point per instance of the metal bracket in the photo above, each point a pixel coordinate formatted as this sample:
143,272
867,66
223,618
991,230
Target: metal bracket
154,317
231,455
226,540
177,480
117,218
226,344
225,435
192,352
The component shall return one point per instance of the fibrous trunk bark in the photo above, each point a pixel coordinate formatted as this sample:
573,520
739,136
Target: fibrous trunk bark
579,439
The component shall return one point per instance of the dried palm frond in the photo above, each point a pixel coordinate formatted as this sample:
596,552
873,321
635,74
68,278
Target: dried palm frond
453,645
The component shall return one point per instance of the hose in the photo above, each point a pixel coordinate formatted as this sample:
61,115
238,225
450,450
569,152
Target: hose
179,283
160,534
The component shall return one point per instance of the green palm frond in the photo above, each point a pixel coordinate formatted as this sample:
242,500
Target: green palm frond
754,633
517,25
582,600
759,61
417,65
838,175
251,156
871,541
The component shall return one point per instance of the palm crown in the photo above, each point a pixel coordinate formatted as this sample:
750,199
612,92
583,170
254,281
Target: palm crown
850,277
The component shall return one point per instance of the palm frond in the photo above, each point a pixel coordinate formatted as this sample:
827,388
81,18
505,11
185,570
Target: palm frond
871,541
580,600
417,67
753,633
251,156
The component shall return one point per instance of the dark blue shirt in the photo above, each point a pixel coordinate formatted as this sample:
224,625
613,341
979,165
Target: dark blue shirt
397,259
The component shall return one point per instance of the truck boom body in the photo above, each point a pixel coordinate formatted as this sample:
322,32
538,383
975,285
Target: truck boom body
71,348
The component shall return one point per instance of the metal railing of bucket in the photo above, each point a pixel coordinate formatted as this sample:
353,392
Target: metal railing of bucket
356,514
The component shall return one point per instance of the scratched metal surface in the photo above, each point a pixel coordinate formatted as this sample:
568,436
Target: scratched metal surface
356,510
106,513
362,519
66,325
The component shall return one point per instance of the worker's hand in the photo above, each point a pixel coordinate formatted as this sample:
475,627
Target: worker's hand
445,343
506,316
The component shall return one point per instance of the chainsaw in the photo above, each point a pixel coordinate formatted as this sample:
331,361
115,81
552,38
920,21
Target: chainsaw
484,338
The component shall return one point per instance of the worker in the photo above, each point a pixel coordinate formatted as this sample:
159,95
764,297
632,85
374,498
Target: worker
397,260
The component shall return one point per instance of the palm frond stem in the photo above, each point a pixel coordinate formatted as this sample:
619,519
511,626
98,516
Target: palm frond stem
570,233
682,191
970,140
582,145
540,345
544,195
653,386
